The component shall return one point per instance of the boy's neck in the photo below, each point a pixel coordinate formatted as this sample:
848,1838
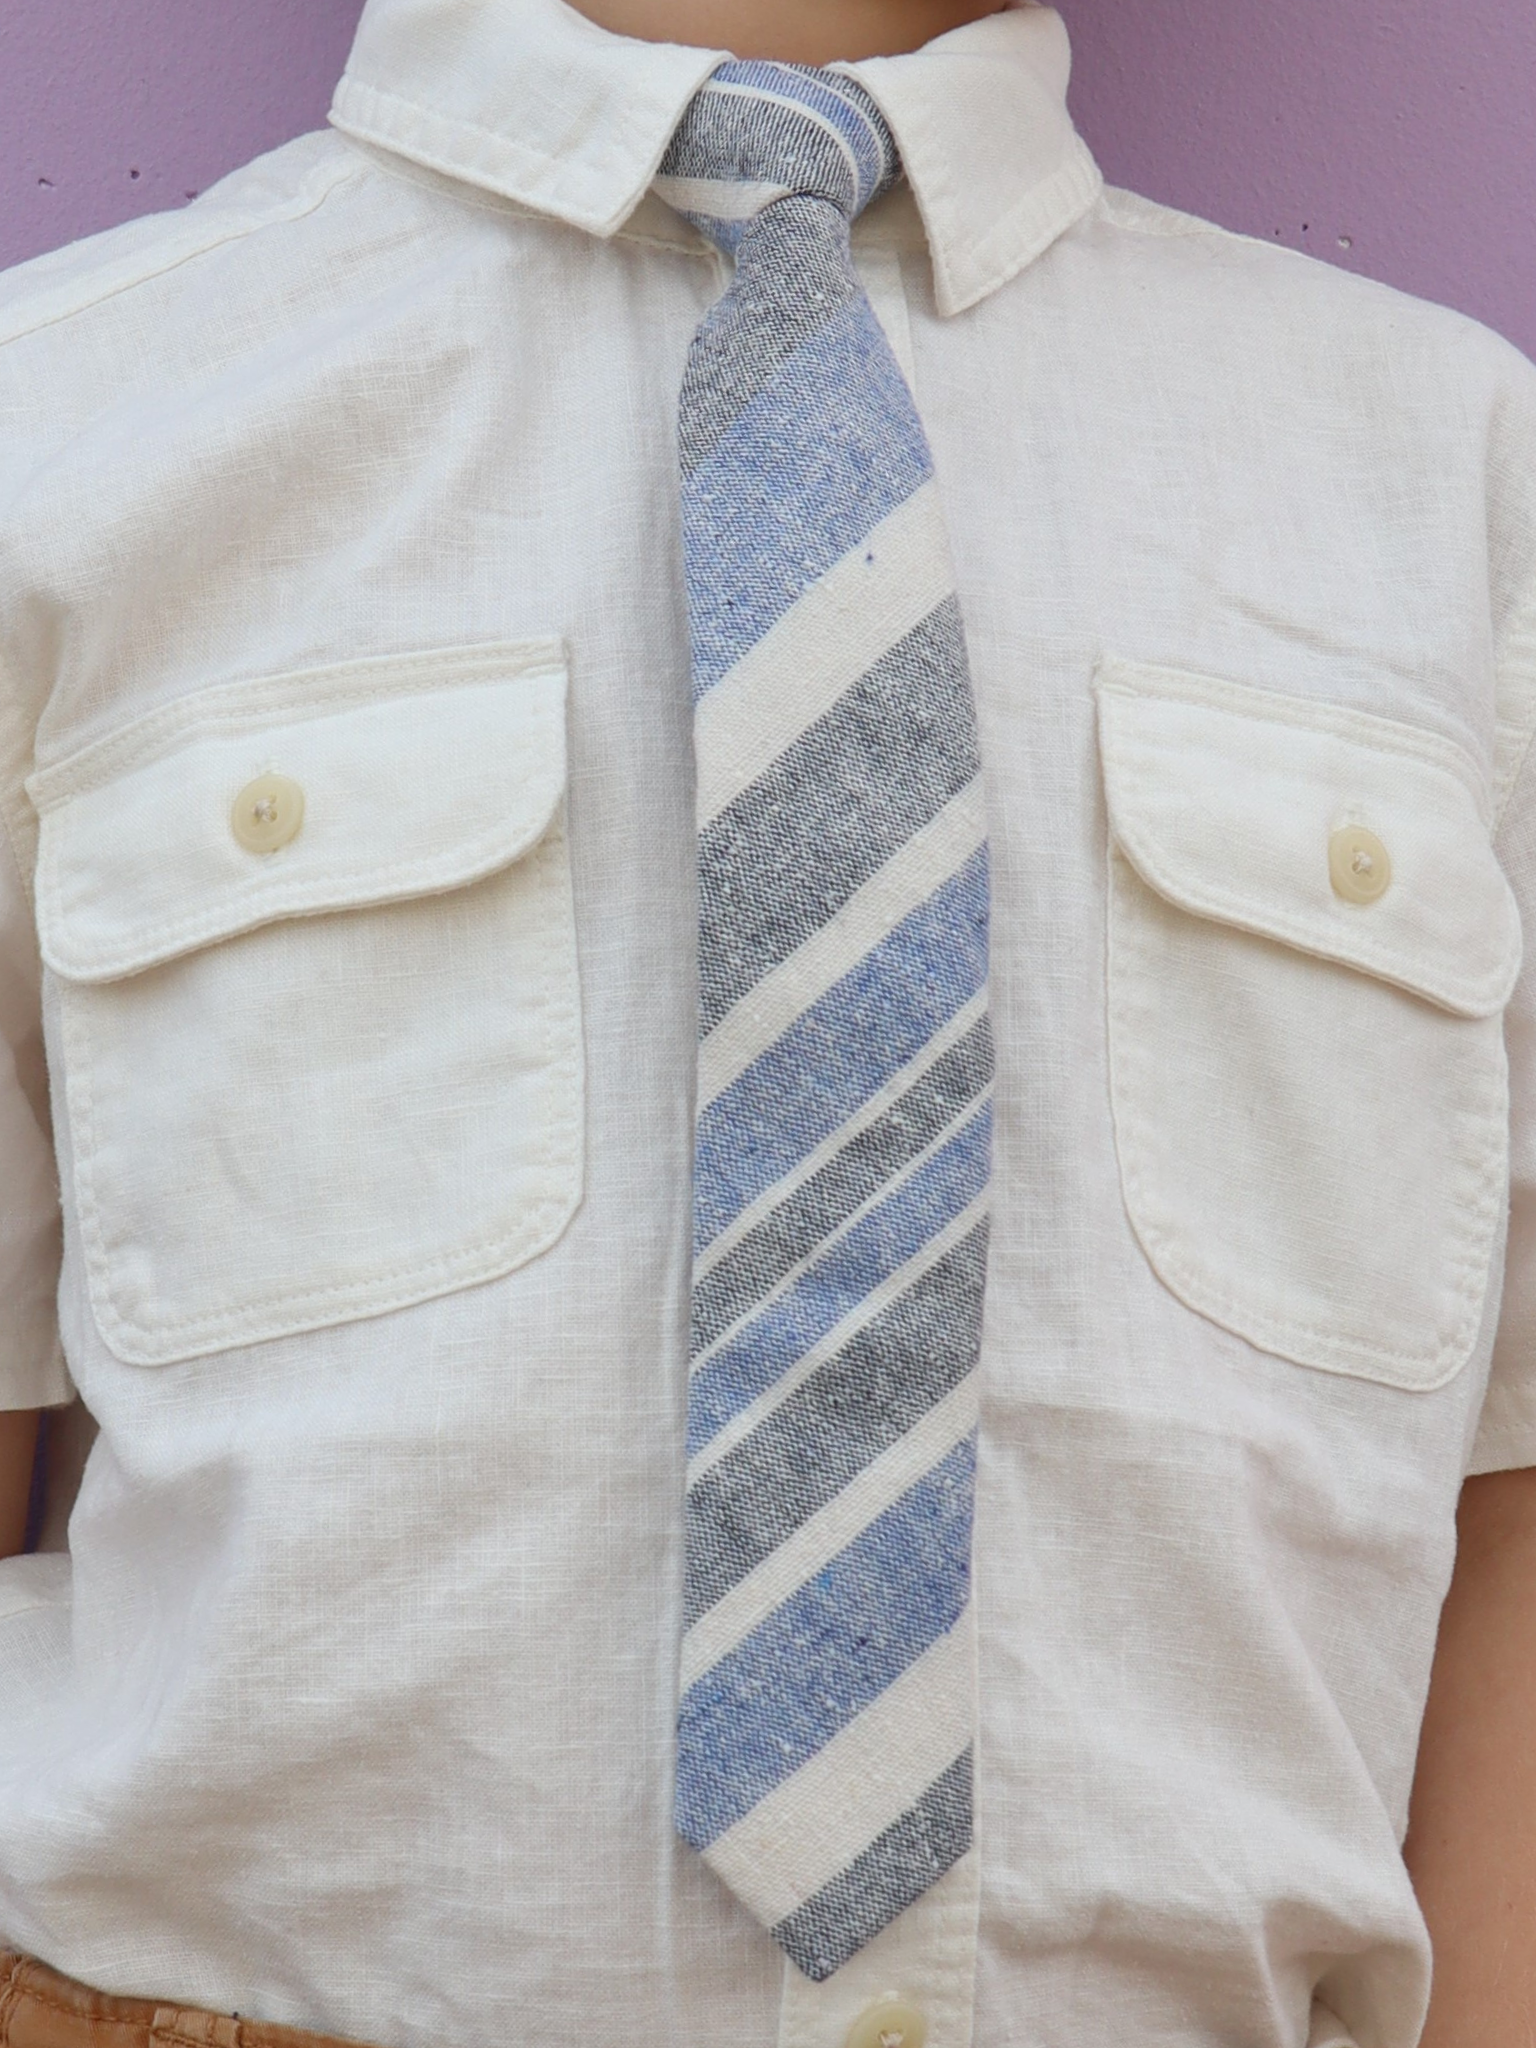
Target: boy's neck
794,31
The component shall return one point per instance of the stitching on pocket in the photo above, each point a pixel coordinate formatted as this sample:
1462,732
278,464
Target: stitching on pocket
1135,762
385,883
556,1010
251,703
1269,921
1312,715
1475,1208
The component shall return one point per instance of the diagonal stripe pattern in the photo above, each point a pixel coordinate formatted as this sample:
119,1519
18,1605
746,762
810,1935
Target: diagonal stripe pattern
843,1144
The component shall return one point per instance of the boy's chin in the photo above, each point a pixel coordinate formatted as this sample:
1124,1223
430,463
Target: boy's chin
793,31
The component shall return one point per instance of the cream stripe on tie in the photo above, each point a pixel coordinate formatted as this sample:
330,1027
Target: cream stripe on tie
872,599
800,1838
961,1232
816,1542
843,1144
967,1026
908,878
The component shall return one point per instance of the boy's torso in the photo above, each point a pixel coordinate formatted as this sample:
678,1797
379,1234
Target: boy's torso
365,1724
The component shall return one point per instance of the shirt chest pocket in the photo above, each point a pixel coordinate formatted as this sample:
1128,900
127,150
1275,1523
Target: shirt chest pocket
1310,945
315,952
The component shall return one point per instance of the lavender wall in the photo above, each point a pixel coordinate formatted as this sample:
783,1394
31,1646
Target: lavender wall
1395,137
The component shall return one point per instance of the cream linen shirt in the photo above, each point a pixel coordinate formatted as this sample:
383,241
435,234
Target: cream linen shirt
351,1704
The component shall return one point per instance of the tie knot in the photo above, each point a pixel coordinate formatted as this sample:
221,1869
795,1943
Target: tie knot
761,132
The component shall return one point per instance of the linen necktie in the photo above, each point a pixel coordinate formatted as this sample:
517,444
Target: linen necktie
842,1155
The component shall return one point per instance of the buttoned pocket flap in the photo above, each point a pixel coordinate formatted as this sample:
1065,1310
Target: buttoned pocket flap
1240,805
1310,943
313,944
379,781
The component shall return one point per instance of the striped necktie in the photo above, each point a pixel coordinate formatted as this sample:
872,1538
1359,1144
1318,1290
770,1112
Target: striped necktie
827,1717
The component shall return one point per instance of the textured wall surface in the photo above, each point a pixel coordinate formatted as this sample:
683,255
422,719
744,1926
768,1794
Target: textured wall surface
1393,136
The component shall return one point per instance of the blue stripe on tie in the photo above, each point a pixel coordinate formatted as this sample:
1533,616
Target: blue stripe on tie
819,1660
845,1048
817,460
787,82
725,234
870,1254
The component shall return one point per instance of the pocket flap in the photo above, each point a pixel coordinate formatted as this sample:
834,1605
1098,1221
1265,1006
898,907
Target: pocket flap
418,774
1226,801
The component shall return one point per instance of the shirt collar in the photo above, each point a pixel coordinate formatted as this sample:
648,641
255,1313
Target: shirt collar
529,99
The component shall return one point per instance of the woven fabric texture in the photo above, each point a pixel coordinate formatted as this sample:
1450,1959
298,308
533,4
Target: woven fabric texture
844,1122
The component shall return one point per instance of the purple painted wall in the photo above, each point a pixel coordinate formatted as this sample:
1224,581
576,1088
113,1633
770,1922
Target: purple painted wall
1393,136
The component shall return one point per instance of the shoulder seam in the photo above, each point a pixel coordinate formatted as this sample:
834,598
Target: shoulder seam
1172,219
186,247
404,170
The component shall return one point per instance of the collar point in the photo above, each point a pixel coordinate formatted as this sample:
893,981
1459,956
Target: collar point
964,276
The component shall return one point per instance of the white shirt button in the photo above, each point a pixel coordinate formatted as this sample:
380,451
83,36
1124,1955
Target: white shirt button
267,813
1358,864
890,2024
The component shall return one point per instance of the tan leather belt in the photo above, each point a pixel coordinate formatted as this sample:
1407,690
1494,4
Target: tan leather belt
41,2009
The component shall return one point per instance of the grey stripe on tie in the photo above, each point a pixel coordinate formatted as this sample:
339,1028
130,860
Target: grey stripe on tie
893,1872
834,807
824,1202
755,329
851,1409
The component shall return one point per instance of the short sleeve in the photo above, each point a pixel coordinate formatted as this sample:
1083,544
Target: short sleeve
32,1372
1506,1437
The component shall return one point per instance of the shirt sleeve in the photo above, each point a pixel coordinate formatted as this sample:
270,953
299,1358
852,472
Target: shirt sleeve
1506,1437
32,1371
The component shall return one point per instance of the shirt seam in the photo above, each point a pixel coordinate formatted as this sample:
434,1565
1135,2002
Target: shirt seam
1502,1446
307,201
244,703
424,177
391,107
1372,730
1172,222
16,816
